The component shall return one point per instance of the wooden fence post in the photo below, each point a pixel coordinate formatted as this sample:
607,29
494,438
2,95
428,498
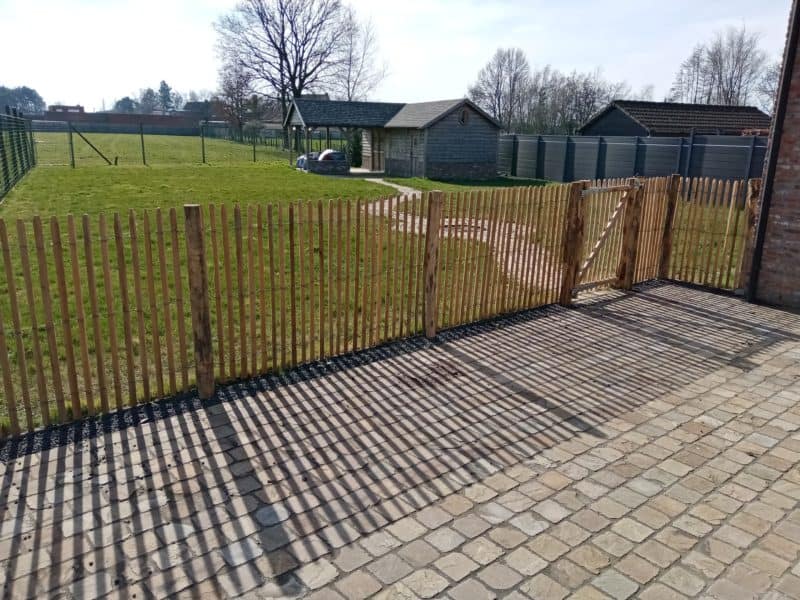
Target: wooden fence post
573,241
431,263
669,226
750,216
198,297
630,237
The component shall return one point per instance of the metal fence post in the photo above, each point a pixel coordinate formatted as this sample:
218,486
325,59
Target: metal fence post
514,155
597,173
25,141
539,158
431,263
203,141
34,158
198,298
141,139
572,248
749,161
689,152
71,146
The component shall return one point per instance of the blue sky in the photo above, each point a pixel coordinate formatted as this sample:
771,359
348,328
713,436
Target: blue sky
93,51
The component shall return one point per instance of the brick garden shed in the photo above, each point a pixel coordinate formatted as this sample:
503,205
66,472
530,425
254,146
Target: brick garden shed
447,139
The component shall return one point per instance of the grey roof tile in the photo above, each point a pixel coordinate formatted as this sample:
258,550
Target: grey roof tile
337,113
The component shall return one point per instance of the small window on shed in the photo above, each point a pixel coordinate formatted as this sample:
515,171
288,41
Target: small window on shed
463,116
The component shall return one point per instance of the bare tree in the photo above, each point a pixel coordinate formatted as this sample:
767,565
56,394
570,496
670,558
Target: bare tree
148,100
286,46
767,88
357,72
646,92
236,93
728,70
690,81
502,85
542,100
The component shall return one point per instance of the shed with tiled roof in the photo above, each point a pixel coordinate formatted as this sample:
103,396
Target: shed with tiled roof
634,117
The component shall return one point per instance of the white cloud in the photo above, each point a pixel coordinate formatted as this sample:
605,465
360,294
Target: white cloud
87,51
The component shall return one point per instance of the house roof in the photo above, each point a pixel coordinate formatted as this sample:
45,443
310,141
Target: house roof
675,118
337,113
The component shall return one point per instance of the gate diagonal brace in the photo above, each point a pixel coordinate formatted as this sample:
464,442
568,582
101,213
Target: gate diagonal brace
603,236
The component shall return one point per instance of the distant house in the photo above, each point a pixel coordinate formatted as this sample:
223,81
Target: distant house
673,119
65,108
448,139
205,110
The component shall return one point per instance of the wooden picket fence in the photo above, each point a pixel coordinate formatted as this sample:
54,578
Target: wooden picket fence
712,233
99,314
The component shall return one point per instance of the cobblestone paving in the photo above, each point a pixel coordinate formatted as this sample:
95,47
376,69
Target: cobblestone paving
643,445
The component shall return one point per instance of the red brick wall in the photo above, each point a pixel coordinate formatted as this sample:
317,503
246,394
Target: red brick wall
779,276
125,118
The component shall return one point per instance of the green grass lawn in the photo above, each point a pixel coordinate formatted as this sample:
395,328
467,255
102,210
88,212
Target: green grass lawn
53,149
60,191
428,185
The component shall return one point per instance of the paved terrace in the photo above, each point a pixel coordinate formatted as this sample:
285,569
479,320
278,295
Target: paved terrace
642,445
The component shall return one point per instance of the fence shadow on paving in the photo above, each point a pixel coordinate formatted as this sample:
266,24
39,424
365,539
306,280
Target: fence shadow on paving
101,315
355,451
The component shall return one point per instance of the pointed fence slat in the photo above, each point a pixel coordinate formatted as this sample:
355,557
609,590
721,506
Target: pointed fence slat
50,333
16,322
151,298
140,316
218,314
63,299
165,295
178,281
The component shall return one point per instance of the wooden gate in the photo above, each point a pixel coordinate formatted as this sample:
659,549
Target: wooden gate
603,232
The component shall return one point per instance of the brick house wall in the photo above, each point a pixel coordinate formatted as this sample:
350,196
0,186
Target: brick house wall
778,276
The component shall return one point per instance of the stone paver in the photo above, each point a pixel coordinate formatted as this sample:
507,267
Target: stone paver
643,445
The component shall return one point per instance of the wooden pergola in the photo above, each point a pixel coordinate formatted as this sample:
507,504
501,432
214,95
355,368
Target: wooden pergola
307,116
